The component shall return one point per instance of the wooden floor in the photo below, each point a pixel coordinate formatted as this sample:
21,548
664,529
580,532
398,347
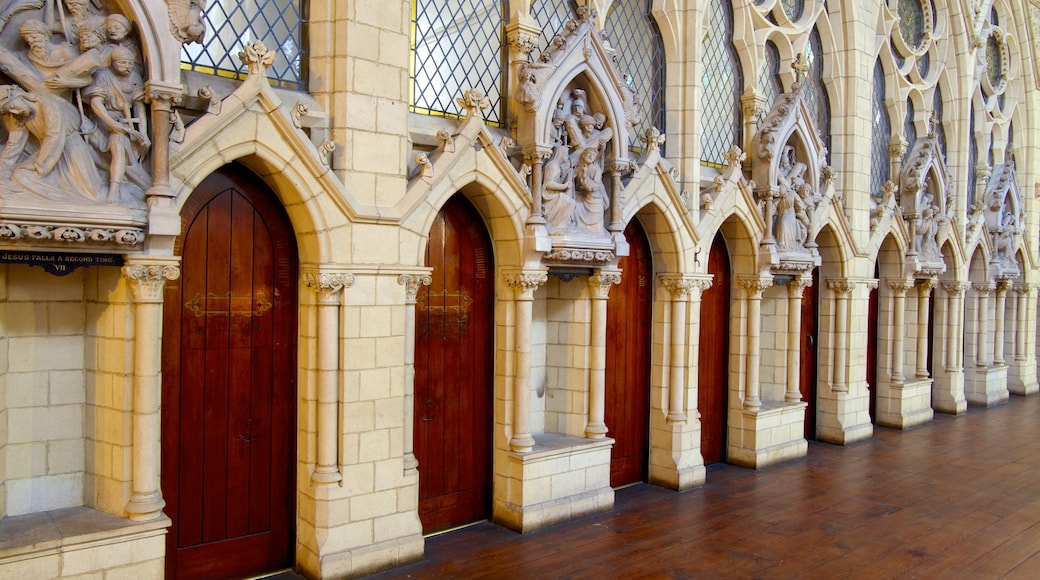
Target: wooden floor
956,498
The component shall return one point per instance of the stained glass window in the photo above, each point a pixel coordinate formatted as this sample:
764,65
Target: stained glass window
816,91
793,9
769,76
909,130
634,35
973,158
551,15
723,80
233,24
940,129
881,135
994,66
924,64
457,45
911,22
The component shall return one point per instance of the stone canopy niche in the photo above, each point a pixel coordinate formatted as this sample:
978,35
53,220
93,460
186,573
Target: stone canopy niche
575,112
73,127
926,205
793,182
1003,215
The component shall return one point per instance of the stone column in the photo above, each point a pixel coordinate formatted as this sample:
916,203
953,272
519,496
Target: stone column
617,195
411,283
795,289
899,289
998,330
536,160
329,285
599,288
924,291
147,276
842,289
982,290
523,283
954,330
754,287
162,97
1021,324
681,289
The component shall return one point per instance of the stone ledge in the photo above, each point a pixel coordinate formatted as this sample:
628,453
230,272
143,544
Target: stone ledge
54,532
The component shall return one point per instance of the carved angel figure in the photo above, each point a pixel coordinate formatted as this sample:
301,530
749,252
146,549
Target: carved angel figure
187,20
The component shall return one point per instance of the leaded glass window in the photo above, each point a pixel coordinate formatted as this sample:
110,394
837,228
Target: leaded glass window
924,64
721,115
456,46
816,91
993,61
769,76
909,130
231,25
551,15
973,158
881,135
793,9
911,22
640,51
940,130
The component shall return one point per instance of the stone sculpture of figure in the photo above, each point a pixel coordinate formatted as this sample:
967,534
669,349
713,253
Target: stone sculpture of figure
558,119
557,190
94,54
1004,238
928,229
589,184
792,220
529,93
79,12
59,165
117,100
43,54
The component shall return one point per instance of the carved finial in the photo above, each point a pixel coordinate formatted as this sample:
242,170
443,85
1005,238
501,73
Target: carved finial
653,138
734,157
473,100
800,66
257,58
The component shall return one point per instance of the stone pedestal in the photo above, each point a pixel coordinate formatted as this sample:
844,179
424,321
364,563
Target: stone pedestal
986,386
561,479
948,393
904,405
771,434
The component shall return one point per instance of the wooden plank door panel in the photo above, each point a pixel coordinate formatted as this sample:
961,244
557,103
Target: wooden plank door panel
810,344
229,374
713,355
454,372
627,387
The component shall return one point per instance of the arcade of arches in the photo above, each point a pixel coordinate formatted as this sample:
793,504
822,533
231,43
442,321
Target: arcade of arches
491,264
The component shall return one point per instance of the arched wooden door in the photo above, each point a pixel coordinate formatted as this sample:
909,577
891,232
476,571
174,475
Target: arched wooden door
810,345
713,355
454,355
627,389
873,317
229,383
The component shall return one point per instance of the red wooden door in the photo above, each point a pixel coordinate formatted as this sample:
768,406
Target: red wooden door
454,354
713,356
627,388
810,342
872,349
229,384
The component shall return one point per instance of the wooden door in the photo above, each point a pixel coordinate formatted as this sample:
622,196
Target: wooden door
810,343
872,349
713,356
454,354
229,383
627,389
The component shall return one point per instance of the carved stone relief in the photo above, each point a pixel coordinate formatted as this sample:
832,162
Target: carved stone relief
925,201
72,106
1003,215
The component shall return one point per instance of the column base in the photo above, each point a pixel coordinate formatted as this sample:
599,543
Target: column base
948,392
323,476
145,507
770,435
902,406
986,386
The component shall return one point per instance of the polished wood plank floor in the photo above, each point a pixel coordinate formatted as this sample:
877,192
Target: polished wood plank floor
956,498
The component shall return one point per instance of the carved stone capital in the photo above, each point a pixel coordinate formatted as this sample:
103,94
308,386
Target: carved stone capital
1002,286
755,285
162,95
925,285
147,278
600,283
841,287
412,283
953,288
524,283
900,285
797,285
328,284
984,288
1024,289
681,286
